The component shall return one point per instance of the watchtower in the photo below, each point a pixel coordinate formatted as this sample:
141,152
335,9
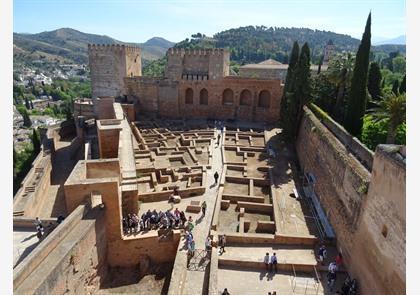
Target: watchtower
328,52
197,64
109,64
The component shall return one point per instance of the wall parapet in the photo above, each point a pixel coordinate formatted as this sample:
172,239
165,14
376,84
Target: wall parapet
358,149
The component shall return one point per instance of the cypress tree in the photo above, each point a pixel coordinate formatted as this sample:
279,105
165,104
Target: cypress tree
374,80
36,141
320,64
353,119
26,120
395,87
284,114
27,106
402,86
302,88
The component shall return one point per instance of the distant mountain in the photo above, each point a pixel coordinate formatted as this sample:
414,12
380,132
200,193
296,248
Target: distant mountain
400,40
69,45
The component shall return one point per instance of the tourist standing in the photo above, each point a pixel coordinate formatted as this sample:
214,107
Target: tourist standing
190,224
216,177
218,139
203,208
273,262
222,244
38,223
267,261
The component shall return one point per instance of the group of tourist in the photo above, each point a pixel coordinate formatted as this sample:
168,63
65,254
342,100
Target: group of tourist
270,262
153,220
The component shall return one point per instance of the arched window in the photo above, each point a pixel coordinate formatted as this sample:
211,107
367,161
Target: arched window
245,98
189,96
204,97
227,97
264,99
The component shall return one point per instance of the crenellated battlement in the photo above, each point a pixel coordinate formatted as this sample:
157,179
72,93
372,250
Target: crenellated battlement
190,52
113,47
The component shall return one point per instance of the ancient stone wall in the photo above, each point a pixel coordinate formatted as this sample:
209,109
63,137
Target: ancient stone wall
367,211
72,259
227,98
379,256
197,64
109,64
341,181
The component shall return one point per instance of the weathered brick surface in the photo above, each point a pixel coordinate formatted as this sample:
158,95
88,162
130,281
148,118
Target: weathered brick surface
109,64
359,205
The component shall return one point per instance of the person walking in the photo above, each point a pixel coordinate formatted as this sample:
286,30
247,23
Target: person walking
190,224
225,292
218,139
38,223
273,262
322,254
216,177
203,208
339,260
222,244
267,261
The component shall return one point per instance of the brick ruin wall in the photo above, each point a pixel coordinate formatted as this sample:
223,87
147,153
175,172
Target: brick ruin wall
109,64
354,202
211,63
263,73
380,240
78,267
206,99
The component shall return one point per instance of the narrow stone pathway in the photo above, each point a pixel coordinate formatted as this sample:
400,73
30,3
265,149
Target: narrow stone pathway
195,280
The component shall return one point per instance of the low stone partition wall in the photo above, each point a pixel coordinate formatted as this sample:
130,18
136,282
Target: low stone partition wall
251,207
245,238
164,195
296,239
214,265
266,227
242,198
179,272
281,266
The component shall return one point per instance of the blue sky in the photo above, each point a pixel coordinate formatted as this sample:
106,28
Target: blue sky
137,21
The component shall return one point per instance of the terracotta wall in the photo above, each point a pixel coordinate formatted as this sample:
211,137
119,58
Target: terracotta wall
359,206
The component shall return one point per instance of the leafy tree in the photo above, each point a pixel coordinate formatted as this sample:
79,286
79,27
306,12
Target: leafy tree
324,92
395,87
398,64
391,108
374,81
340,72
353,120
375,132
402,86
36,142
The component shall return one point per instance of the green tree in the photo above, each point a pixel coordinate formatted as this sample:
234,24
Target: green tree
402,85
26,120
36,142
353,120
395,87
340,72
27,105
300,93
288,86
391,108
398,64
374,81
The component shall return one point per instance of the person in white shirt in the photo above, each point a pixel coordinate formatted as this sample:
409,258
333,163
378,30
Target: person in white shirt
267,261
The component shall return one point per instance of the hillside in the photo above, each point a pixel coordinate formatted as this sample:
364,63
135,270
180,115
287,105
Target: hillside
69,45
254,44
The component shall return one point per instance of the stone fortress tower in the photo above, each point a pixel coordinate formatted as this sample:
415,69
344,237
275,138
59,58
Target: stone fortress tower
109,64
197,64
328,52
